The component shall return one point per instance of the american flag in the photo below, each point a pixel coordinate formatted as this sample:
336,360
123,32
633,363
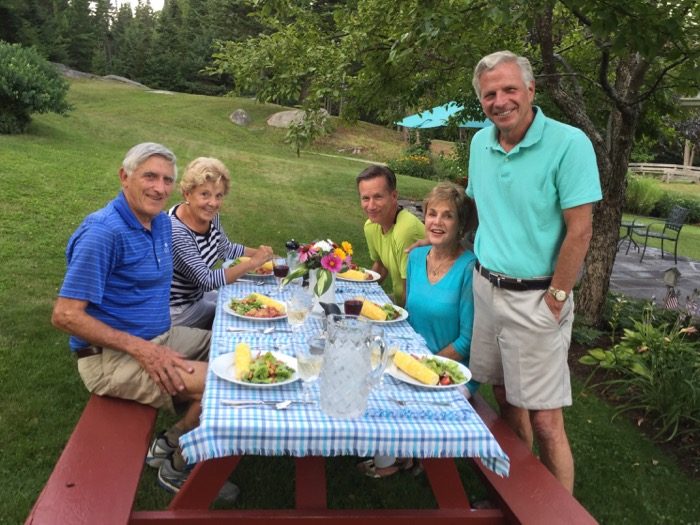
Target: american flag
671,299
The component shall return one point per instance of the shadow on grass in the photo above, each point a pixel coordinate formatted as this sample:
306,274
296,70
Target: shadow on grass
268,483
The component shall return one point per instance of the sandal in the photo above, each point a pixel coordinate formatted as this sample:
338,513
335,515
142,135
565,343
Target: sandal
368,468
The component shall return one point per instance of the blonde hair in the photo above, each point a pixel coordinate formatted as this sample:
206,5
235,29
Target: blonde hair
202,170
463,205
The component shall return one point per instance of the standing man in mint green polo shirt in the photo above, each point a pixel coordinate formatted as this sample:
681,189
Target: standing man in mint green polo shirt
115,303
534,181
389,229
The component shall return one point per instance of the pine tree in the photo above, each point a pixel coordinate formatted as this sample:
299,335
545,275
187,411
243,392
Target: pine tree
102,56
81,35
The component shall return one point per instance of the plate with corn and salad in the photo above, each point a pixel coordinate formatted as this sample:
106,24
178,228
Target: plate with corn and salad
256,368
428,371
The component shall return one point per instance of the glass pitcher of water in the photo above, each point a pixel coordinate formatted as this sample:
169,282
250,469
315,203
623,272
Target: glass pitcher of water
347,375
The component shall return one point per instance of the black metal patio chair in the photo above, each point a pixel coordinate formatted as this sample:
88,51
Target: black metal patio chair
670,232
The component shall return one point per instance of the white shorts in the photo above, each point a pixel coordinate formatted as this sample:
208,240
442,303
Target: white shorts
517,343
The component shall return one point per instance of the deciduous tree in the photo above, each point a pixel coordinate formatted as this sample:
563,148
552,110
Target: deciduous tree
598,64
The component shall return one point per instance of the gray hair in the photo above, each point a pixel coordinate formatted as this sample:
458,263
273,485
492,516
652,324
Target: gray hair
144,151
489,62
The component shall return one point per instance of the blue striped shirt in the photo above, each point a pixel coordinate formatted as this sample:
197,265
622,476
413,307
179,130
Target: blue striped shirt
122,270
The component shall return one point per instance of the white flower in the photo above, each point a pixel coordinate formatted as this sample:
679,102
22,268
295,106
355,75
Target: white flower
324,246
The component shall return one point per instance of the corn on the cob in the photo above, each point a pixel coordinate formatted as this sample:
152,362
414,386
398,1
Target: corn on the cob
415,368
372,311
242,360
354,275
269,302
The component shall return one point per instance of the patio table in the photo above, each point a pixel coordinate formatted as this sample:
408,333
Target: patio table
628,236
305,432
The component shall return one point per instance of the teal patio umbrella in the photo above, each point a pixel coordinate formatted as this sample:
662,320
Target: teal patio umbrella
438,117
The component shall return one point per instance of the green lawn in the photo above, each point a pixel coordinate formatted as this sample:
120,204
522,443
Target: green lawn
64,168
682,188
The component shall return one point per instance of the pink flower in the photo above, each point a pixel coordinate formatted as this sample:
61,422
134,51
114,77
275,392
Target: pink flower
332,262
305,252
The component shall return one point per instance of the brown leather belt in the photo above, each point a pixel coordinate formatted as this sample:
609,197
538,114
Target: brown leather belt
513,283
88,351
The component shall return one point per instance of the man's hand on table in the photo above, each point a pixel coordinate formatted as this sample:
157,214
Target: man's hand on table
164,365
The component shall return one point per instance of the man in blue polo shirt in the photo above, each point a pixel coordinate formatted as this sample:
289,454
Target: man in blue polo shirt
534,181
115,304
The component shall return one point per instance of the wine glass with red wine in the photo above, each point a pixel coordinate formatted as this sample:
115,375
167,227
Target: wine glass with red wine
280,269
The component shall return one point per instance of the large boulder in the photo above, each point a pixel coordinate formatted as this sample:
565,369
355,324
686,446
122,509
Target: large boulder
240,117
124,80
284,119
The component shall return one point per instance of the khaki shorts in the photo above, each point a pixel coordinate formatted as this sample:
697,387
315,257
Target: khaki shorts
517,343
117,374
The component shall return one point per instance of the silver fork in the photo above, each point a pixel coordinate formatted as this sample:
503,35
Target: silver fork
258,282
404,403
264,331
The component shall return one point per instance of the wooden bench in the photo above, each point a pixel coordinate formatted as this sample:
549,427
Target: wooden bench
530,494
96,477
112,437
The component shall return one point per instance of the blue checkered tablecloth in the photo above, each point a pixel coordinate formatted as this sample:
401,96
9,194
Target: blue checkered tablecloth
418,429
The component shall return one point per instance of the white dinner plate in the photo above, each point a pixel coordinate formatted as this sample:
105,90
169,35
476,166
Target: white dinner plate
229,263
231,311
394,372
224,367
402,317
375,277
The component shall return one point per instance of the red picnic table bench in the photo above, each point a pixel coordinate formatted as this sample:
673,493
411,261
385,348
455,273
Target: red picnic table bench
113,435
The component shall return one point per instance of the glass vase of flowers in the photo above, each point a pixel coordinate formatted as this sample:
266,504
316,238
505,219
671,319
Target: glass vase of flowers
324,258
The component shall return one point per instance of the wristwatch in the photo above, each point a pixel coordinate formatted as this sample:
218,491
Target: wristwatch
559,295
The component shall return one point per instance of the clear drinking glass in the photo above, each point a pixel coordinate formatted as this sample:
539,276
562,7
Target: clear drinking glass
298,308
392,346
309,363
293,263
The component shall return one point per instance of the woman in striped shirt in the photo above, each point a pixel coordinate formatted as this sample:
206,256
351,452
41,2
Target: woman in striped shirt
199,241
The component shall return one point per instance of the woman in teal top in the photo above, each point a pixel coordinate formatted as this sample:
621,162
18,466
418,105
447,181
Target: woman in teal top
438,293
439,276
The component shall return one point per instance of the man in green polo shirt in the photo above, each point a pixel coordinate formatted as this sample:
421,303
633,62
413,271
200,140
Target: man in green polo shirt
389,229
534,181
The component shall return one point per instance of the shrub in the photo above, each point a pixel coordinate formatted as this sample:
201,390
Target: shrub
419,138
658,372
669,199
449,168
28,84
462,153
642,195
416,149
305,131
585,335
420,166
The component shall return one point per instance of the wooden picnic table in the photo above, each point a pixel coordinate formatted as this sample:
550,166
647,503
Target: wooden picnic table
528,494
